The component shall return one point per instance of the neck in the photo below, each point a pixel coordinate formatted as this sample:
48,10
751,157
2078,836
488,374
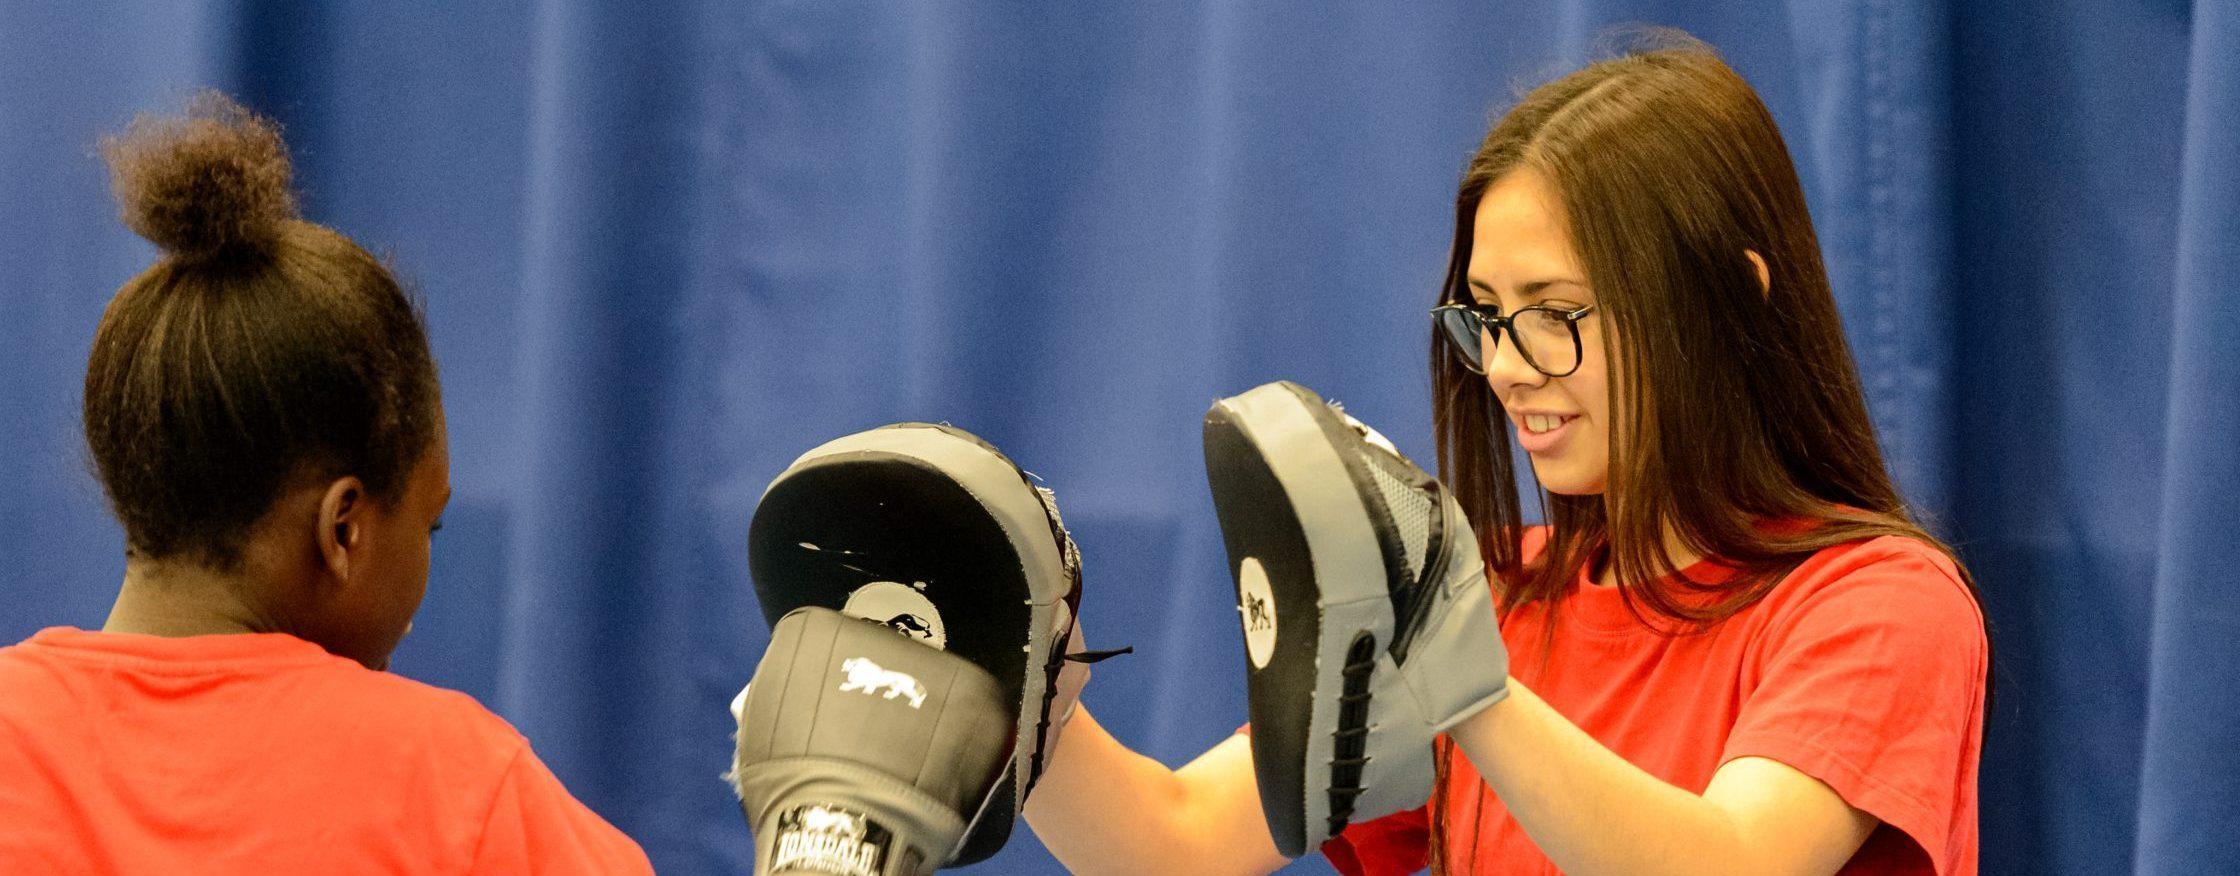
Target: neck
172,598
1674,547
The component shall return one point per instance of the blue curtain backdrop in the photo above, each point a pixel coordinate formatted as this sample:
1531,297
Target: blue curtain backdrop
666,247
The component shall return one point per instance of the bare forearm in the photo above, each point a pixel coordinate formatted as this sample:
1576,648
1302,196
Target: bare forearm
1102,808
1592,812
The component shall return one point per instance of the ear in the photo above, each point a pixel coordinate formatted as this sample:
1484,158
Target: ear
1765,277
342,524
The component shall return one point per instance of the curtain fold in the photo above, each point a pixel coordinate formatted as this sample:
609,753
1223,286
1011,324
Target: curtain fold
2192,750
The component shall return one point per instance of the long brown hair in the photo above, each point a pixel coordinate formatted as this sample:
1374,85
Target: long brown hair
1669,169
258,348
1736,405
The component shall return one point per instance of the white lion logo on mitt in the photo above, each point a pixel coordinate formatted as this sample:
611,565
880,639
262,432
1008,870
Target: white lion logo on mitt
866,676
823,820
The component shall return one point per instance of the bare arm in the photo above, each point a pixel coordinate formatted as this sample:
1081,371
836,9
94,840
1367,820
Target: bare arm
1592,812
1102,808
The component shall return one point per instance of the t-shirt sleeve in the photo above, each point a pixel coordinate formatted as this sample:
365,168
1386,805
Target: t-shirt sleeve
535,826
1395,845
1873,683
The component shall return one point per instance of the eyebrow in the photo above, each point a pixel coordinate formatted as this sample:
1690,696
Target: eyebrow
1527,290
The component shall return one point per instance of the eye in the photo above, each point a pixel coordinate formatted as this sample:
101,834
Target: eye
1542,321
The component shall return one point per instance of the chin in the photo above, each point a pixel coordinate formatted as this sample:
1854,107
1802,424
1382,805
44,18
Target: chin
1563,483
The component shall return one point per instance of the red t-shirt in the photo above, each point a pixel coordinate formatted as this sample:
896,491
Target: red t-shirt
265,754
1864,669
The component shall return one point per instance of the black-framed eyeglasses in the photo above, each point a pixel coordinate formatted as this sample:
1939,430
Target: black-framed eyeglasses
1547,336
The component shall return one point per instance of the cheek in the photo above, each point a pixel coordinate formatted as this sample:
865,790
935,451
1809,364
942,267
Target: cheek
1595,398
1592,388
415,574
404,577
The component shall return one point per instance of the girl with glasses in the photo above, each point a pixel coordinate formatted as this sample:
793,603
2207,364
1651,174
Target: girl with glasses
1733,650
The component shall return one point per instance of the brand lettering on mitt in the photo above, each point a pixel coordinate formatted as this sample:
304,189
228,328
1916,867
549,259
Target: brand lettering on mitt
866,676
1256,608
825,839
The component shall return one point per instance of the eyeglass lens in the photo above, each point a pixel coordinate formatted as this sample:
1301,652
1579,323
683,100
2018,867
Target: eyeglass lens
1545,336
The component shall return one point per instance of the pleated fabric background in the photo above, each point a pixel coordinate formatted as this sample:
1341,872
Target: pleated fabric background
666,246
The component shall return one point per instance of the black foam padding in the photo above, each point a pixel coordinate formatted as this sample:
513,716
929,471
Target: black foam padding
1257,520
876,516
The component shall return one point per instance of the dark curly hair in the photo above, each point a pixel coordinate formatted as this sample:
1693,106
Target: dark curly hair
258,352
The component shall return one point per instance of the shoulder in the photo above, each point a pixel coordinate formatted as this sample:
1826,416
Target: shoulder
391,717
1884,556
1892,567
30,687
418,706
1904,588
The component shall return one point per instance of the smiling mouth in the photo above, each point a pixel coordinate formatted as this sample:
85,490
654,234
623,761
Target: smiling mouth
1541,423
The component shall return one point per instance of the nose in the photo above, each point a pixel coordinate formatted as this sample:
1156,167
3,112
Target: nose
1506,369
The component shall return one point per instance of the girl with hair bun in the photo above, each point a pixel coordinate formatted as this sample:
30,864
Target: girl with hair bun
263,414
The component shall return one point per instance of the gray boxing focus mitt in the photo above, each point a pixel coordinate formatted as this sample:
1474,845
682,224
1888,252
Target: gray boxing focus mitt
861,753
937,535
1368,624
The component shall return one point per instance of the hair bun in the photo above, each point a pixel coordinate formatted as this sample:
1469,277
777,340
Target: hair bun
212,181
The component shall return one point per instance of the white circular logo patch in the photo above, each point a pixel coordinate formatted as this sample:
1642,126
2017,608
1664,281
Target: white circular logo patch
902,608
1256,607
